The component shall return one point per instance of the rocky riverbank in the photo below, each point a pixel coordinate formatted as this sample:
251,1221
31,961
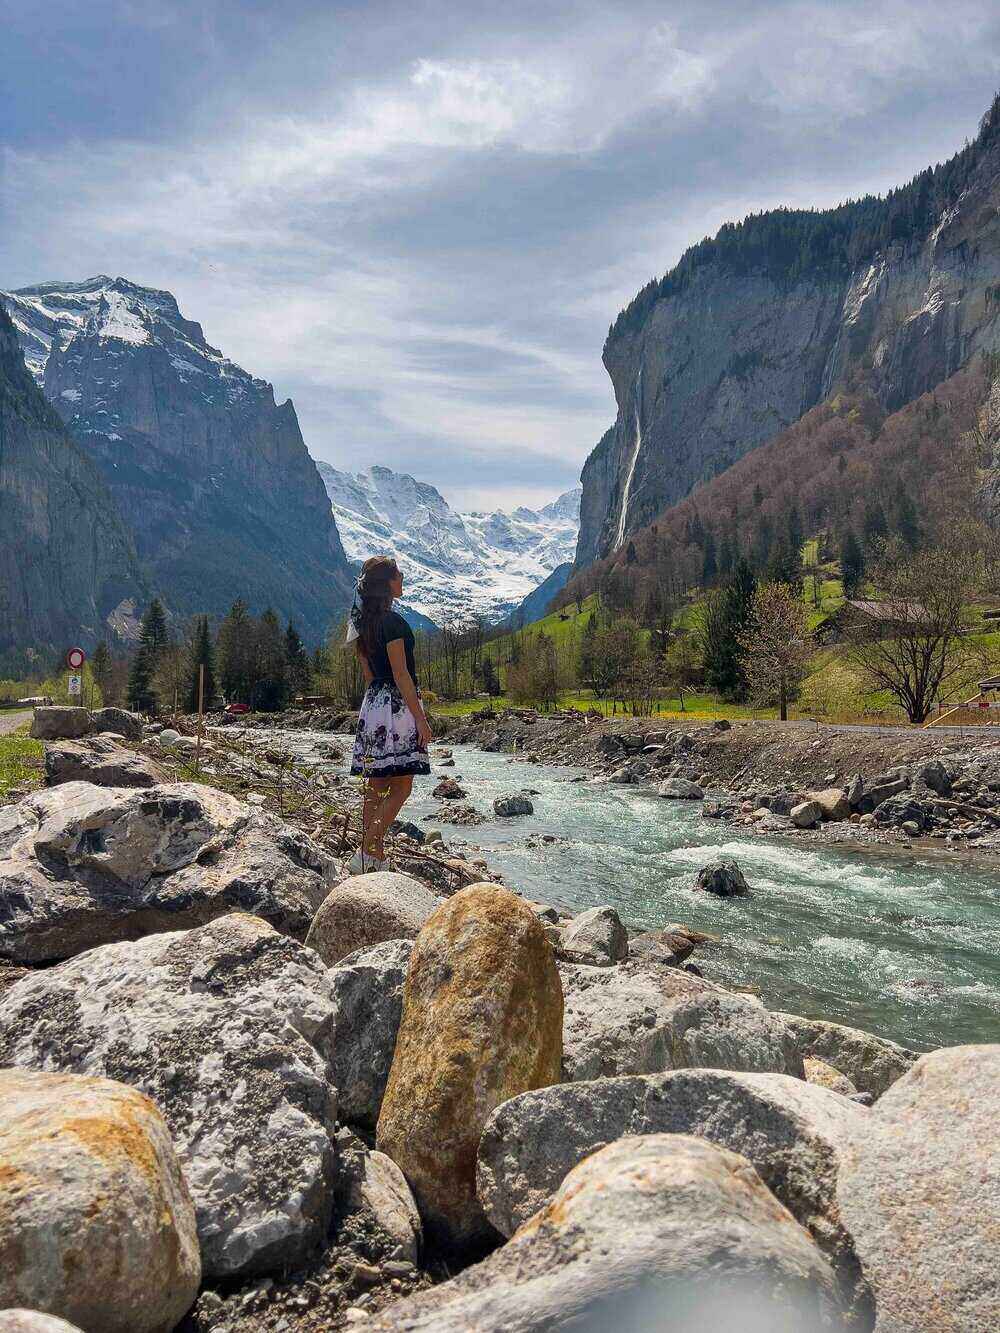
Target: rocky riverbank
810,783
241,1089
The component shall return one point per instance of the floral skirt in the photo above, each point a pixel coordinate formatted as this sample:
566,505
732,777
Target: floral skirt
386,744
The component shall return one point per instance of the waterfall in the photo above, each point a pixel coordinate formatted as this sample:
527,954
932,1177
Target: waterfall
627,488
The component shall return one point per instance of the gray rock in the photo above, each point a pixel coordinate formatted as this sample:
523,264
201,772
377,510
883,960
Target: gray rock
872,1063
722,877
919,1192
32,1321
596,936
792,1132
679,789
782,802
168,737
379,1188
82,865
896,811
881,790
639,1019
367,992
855,791
228,1028
96,1222
101,761
935,775
807,814
58,723
369,909
119,720
515,804
664,1231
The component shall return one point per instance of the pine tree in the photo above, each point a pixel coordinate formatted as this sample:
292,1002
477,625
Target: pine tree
237,653
852,564
200,654
785,565
271,690
153,632
100,665
709,564
140,693
875,525
726,615
297,661
907,523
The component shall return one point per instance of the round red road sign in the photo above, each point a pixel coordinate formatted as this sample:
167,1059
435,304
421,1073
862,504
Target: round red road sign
75,658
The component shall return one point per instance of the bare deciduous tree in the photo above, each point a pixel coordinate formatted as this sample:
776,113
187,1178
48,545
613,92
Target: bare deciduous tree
774,647
914,648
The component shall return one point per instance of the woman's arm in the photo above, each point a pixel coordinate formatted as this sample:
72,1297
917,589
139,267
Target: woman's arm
366,669
404,683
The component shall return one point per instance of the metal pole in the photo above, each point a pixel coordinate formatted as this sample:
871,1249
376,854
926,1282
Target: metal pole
201,714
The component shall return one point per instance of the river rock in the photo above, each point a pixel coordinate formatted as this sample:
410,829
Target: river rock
822,1075
96,1222
367,991
120,721
935,775
723,878
367,909
102,761
83,865
920,1193
679,789
896,811
871,1063
596,936
449,790
168,737
227,1028
32,1321
832,801
482,1021
855,791
379,1188
59,723
663,1231
792,1132
807,814
881,790
636,1019
515,804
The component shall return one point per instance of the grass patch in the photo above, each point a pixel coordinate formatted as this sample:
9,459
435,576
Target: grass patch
21,763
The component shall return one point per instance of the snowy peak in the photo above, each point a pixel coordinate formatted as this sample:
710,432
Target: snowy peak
455,565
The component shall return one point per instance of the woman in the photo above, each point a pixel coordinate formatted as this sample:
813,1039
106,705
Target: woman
393,735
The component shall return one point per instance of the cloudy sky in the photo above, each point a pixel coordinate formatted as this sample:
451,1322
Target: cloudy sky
419,219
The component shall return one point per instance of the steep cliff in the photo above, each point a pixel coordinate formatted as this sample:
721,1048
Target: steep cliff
212,474
758,325
68,569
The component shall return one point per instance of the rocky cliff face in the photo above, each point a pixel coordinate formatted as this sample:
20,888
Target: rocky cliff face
212,474
68,568
724,361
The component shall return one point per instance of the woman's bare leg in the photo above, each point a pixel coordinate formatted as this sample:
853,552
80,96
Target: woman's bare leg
376,793
397,793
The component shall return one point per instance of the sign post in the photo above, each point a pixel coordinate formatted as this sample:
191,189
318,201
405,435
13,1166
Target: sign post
75,659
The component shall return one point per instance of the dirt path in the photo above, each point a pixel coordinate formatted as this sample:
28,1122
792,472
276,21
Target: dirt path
11,721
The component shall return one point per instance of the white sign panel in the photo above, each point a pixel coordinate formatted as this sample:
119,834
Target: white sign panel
75,683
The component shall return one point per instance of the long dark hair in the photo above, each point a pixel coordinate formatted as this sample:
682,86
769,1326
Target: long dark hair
375,592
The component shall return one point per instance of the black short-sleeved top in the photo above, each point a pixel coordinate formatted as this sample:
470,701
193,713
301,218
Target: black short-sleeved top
393,627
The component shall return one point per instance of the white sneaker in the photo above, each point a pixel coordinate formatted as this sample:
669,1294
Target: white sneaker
363,864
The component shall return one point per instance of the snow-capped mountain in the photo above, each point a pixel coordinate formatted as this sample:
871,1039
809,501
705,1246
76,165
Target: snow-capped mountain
210,473
455,565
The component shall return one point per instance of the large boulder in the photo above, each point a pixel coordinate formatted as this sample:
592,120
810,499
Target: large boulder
515,804
680,789
793,1134
58,723
96,1222
896,811
118,720
596,936
919,1192
227,1028
807,814
100,760
722,877
832,801
935,775
871,1063
482,1021
82,865
32,1321
638,1019
367,993
665,1231
368,909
